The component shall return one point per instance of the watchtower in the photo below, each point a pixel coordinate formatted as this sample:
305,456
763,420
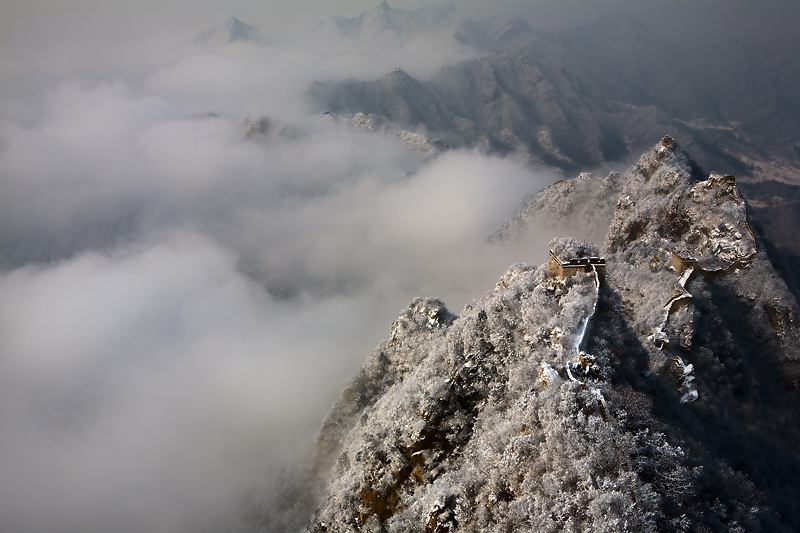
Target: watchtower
680,261
570,267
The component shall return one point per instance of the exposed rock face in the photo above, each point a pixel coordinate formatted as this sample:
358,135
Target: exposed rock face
375,124
548,405
705,220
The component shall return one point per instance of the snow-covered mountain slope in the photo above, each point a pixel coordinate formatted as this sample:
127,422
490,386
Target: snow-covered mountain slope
417,142
652,392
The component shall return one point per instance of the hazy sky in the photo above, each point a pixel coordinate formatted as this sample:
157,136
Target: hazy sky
703,20
178,304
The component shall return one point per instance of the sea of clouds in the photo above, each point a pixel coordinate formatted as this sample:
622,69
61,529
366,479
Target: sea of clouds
180,304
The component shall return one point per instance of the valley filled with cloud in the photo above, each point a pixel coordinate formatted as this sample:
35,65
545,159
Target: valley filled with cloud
181,303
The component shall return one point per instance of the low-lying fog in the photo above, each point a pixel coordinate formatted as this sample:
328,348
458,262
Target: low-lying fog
181,304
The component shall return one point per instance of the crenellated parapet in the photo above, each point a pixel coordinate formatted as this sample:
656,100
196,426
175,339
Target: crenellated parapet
570,267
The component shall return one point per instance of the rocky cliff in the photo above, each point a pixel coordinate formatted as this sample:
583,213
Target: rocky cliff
662,399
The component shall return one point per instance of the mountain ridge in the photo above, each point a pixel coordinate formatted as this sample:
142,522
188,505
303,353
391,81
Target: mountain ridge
618,59
662,398
591,97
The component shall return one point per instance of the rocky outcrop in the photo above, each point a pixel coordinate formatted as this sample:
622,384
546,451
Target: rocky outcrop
547,405
417,142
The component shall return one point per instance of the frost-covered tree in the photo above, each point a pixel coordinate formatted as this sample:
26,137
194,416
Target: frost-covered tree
494,421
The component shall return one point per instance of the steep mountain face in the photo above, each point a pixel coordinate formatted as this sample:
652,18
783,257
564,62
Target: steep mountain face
654,391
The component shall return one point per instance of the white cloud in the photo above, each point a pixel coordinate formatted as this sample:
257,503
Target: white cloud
150,388
149,375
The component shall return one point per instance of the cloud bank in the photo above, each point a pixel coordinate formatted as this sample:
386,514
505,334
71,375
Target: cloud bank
180,304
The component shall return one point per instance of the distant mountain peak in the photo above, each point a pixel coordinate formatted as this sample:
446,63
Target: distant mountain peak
236,25
385,19
235,30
